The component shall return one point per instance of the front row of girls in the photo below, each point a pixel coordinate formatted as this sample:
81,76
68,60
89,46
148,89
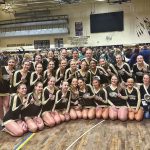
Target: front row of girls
51,106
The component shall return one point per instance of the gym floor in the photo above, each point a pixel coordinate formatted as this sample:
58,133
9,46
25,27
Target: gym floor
84,135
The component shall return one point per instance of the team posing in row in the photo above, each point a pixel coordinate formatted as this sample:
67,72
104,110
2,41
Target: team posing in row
51,91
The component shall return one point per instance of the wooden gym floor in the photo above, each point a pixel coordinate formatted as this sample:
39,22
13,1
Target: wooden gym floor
86,135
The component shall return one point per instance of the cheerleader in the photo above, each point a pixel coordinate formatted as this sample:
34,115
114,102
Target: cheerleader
61,72
88,57
12,122
75,57
75,110
21,76
50,118
117,99
100,99
49,72
62,102
52,58
37,59
96,71
86,100
82,73
145,95
32,112
6,73
134,101
108,67
139,69
70,72
123,69
36,76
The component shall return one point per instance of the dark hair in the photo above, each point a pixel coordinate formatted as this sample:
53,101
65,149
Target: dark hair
20,84
38,64
37,55
36,83
81,79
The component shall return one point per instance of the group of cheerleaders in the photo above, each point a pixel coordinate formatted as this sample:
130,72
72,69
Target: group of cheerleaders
73,90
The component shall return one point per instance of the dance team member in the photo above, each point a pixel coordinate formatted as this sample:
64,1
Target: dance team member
95,70
52,58
60,73
36,76
22,76
134,101
12,122
88,57
75,107
123,69
139,69
62,102
109,68
75,57
6,73
145,95
70,72
86,99
37,59
117,99
49,72
82,72
102,110
32,112
50,118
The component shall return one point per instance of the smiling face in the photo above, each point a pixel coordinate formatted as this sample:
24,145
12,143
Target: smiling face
63,64
114,80
26,65
39,87
11,63
65,86
39,67
73,65
74,82
22,89
88,54
38,58
81,83
146,79
96,84
102,62
130,83
50,55
52,82
140,59
92,64
83,65
118,59
63,53
75,55
51,65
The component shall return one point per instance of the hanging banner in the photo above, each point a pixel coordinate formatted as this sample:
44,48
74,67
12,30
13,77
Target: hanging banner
78,29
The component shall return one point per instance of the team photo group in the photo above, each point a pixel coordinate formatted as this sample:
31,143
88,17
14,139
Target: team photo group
41,90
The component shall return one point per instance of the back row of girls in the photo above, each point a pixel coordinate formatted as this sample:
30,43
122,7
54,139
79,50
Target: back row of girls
50,106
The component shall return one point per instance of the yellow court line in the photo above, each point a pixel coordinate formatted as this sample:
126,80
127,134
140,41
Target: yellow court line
25,142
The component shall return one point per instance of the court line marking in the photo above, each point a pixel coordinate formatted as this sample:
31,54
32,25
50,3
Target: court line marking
25,140
84,134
